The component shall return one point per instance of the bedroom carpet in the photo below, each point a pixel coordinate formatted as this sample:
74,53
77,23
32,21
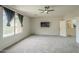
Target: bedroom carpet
45,44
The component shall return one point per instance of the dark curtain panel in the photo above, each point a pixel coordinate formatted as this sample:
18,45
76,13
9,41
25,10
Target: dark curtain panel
10,14
21,19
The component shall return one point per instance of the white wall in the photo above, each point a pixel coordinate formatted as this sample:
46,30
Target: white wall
54,28
1,26
7,41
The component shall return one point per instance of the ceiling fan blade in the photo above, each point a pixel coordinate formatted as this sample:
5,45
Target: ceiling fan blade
50,10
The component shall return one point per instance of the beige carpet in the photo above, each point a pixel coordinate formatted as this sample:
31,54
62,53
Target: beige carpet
45,44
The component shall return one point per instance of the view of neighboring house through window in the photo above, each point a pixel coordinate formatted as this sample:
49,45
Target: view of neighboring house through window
14,28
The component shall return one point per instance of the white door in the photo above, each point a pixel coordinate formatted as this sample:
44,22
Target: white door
62,28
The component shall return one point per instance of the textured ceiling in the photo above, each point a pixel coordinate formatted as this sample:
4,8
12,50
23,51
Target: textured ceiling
32,10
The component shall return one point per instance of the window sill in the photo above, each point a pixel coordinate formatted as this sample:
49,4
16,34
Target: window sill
8,35
12,34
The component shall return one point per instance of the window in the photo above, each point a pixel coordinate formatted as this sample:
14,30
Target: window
18,28
7,30
14,28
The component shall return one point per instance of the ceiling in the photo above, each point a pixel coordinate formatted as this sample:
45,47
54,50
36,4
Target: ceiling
32,10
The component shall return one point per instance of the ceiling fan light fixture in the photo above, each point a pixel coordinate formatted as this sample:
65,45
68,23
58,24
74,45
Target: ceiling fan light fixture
45,11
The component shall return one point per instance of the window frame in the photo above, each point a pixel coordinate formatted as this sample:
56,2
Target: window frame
14,30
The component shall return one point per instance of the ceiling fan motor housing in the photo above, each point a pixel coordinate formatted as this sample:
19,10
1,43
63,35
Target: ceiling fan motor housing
46,7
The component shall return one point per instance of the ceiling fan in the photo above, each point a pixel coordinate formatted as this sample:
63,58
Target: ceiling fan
46,9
